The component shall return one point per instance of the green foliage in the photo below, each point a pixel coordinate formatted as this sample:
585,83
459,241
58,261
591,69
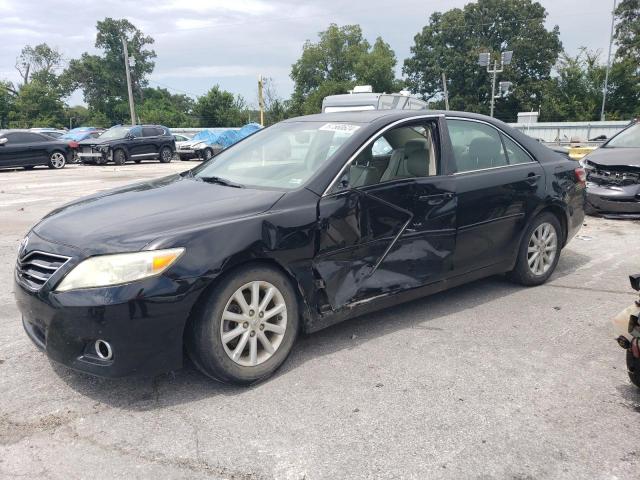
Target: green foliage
37,105
340,59
219,108
41,59
102,77
451,42
162,107
6,103
627,30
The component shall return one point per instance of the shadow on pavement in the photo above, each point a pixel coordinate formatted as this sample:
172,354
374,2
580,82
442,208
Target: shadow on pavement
189,385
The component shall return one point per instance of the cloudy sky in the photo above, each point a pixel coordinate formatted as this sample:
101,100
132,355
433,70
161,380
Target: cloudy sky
229,42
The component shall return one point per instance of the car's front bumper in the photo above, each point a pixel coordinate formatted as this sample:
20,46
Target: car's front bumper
143,321
614,201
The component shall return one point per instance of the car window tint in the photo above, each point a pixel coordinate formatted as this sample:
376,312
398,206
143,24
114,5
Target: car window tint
515,154
149,132
476,146
412,154
159,131
136,131
26,137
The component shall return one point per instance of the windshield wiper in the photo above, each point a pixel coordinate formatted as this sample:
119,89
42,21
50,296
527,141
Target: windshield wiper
221,181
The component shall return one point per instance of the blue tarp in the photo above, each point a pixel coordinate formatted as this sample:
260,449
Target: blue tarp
225,137
78,134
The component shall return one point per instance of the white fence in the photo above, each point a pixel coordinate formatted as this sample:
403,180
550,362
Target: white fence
565,132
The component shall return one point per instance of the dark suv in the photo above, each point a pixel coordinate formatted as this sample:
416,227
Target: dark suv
122,143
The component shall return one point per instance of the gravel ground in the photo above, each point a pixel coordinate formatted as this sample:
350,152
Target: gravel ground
488,381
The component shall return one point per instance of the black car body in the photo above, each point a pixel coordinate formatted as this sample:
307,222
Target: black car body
613,176
396,207
21,148
120,144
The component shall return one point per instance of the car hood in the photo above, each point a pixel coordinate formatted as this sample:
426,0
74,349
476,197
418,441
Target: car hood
615,157
127,219
193,143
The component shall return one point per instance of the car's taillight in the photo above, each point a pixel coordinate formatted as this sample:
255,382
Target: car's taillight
581,175
73,144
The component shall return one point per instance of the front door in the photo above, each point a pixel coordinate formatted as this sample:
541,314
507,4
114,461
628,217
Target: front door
387,226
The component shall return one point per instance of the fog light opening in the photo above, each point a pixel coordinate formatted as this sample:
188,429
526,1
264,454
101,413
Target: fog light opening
103,350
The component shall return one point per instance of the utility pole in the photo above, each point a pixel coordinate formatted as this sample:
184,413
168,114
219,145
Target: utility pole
126,69
261,99
446,92
484,60
606,75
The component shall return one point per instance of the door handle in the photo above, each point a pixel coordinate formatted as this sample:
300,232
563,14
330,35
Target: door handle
532,178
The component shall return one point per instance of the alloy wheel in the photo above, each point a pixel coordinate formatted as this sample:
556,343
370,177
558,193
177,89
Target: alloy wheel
58,160
542,249
166,155
253,323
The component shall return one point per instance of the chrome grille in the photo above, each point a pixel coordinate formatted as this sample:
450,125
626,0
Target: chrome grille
35,268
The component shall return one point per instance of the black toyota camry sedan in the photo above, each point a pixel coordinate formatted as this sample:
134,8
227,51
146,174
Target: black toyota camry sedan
304,224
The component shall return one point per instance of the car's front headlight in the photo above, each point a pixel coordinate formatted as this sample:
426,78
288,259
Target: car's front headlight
106,270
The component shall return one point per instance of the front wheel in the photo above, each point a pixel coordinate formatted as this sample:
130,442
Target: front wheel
539,251
119,157
57,160
246,327
165,155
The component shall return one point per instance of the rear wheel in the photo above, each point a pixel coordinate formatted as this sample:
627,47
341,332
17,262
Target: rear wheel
208,154
57,160
246,327
165,155
539,251
119,157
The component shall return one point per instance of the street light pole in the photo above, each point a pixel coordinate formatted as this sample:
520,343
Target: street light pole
126,69
606,75
495,71
484,60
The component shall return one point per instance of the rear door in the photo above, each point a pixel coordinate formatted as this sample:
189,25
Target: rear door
387,228
13,152
498,185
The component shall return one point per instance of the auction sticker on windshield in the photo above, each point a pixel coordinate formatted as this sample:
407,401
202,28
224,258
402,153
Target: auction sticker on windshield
339,127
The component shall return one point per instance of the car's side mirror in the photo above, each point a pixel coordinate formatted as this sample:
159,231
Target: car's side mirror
3,140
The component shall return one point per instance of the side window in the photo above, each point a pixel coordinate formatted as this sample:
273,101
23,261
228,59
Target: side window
159,131
402,152
149,132
136,132
515,154
26,137
476,146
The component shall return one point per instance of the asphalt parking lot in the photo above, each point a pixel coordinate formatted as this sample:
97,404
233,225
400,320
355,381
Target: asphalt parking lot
490,380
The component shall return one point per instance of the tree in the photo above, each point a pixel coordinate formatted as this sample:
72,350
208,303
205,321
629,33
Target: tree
7,97
37,105
275,108
219,108
340,59
162,107
627,30
39,59
102,77
451,42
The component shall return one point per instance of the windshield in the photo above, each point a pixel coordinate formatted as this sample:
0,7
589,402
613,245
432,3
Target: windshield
284,156
629,138
116,132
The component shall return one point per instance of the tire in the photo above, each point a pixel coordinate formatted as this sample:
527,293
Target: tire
203,339
541,270
165,155
207,154
57,160
119,157
633,367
